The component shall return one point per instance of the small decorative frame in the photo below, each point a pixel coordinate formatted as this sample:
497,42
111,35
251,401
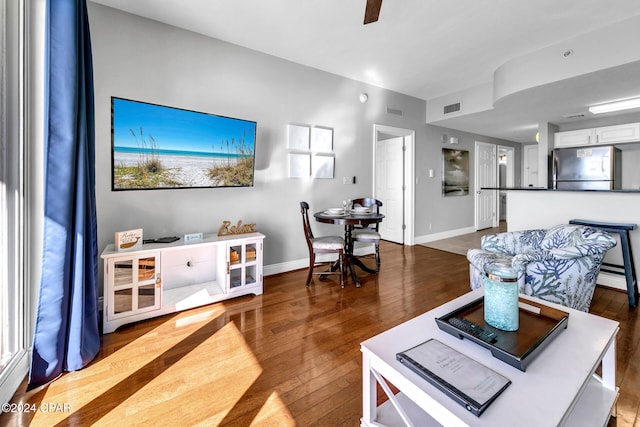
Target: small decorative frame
310,151
323,165
299,165
129,240
455,172
298,137
321,139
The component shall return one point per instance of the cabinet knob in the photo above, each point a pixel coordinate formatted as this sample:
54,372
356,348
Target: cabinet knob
189,264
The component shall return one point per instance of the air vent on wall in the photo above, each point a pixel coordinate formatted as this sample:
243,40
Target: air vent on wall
573,116
393,111
452,108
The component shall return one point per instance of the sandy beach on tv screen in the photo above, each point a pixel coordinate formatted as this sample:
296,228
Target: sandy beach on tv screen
190,171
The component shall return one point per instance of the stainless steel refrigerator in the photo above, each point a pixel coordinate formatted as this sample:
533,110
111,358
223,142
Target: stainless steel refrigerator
587,168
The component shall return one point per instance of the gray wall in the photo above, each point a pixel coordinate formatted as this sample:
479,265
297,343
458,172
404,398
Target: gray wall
144,60
432,208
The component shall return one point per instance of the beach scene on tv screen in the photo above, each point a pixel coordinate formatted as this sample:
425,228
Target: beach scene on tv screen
157,146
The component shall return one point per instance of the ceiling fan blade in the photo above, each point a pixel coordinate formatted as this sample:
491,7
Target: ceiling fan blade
372,11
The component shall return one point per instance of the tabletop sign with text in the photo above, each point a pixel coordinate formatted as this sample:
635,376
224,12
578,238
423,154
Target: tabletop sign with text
226,228
128,240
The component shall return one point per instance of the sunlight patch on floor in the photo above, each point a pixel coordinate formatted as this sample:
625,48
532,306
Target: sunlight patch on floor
183,391
274,412
141,367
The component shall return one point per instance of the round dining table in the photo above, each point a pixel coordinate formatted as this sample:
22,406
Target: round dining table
350,220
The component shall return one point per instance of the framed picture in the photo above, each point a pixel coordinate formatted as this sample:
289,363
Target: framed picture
160,147
455,172
321,139
298,137
299,165
323,165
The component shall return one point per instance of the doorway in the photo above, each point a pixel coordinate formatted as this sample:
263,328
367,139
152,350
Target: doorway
486,174
393,178
506,177
530,169
494,167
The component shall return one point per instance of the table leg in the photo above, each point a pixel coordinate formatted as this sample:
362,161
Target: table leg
360,264
609,370
349,259
369,392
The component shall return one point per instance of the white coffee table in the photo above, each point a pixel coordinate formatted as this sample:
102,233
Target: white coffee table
559,387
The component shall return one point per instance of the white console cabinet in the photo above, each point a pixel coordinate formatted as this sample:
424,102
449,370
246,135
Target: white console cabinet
164,278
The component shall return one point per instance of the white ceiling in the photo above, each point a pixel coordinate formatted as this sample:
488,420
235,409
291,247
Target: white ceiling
422,48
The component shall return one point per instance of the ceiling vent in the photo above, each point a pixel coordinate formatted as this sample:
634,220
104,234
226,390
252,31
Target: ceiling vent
393,111
452,108
574,116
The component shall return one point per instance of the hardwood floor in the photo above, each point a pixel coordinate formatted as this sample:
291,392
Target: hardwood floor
461,244
288,357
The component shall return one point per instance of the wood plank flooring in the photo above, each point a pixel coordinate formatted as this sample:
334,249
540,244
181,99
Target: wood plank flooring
288,357
461,244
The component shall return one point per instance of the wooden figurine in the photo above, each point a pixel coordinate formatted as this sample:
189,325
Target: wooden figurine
239,228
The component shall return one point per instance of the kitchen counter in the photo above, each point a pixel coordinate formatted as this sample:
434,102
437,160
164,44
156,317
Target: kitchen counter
555,190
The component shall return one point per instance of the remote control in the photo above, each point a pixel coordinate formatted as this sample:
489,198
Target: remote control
473,330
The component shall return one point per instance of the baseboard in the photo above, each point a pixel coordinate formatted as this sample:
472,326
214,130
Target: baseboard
444,235
298,264
614,281
283,267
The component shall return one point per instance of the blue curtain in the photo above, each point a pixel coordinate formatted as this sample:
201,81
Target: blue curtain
66,334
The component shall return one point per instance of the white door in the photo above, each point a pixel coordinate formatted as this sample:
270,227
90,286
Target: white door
530,172
389,187
486,201
506,177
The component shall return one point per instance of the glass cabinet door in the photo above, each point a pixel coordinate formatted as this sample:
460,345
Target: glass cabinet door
244,261
136,285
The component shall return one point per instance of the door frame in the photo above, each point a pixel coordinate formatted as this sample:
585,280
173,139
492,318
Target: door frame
511,167
496,199
409,136
526,155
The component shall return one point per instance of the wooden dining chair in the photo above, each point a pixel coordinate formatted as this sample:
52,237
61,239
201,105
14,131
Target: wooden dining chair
322,245
368,234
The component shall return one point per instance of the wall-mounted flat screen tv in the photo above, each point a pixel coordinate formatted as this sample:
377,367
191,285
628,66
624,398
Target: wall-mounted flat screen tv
160,147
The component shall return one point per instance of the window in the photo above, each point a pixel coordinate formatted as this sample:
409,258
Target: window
13,348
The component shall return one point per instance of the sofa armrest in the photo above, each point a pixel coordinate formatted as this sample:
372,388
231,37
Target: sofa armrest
520,261
479,258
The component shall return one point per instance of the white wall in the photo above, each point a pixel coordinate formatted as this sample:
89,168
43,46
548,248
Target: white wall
144,60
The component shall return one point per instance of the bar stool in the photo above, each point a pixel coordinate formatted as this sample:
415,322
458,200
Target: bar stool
627,256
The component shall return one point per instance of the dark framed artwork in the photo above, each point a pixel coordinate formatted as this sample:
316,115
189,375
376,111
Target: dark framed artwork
455,172
159,147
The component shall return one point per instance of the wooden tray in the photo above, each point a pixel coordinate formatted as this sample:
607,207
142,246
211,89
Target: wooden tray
538,325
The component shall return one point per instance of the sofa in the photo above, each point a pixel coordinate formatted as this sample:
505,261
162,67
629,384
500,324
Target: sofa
559,264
